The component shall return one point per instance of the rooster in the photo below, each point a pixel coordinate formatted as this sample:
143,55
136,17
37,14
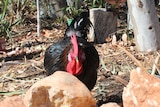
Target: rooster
74,54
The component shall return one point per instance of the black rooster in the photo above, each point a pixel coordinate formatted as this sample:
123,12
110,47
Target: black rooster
74,54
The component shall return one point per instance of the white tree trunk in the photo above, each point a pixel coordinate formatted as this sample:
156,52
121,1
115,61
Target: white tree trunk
145,24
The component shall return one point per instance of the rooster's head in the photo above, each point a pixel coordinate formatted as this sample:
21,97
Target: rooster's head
76,57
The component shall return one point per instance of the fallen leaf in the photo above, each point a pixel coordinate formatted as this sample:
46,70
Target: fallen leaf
124,38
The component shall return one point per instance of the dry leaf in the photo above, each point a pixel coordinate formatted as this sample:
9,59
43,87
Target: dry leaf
124,37
132,48
47,33
108,39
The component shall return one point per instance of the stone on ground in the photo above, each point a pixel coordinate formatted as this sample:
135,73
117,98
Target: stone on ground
15,101
143,90
61,89
110,105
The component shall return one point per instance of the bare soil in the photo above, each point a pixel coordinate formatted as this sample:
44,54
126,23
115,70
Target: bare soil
22,62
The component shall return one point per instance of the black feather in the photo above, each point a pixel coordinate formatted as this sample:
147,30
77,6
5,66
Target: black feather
56,55
79,26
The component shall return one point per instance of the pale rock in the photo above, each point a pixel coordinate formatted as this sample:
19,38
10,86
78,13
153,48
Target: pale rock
110,105
15,101
61,89
143,90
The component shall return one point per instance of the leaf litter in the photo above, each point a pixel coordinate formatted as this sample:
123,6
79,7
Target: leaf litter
22,64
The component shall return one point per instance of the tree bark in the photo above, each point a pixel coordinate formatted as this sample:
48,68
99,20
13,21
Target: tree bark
104,23
145,24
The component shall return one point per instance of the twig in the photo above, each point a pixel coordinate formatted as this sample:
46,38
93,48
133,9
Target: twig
21,52
115,77
154,65
157,68
124,82
133,58
127,63
39,69
30,75
11,63
103,64
9,78
11,93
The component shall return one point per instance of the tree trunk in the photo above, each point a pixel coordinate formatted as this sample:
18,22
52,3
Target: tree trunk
104,23
145,24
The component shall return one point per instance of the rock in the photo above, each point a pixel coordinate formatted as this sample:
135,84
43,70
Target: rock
143,90
110,105
61,89
15,101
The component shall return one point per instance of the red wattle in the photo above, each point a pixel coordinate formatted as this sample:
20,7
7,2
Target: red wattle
74,65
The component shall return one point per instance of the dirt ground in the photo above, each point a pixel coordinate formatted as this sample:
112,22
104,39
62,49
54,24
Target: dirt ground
22,63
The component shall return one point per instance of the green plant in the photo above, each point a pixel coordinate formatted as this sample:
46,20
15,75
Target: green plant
12,13
95,3
4,24
98,3
20,9
73,11
4,9
4,29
